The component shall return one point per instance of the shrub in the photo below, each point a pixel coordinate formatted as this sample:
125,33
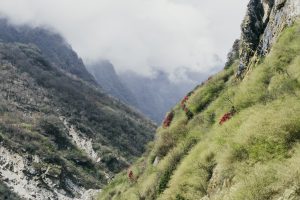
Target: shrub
165,143
239,152
164,180
53,128
210,92
173,159
179,197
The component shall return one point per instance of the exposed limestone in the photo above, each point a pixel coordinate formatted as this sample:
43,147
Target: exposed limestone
289,194
283,14
12,172
156,161
205,198
19,174
90,195
82,142
264,21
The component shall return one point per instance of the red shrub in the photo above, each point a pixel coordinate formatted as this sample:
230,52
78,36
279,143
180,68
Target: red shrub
168,119
130,175
226,117
186,110
183,106
183,101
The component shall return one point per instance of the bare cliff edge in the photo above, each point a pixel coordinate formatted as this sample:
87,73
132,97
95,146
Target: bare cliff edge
264,21
61,136
236,136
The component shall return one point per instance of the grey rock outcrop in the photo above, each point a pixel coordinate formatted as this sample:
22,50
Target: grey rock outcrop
20,175
262,24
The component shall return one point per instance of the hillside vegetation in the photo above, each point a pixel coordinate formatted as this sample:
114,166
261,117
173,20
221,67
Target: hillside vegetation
254,155
60,135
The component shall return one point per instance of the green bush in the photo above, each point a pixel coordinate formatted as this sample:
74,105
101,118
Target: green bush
165,143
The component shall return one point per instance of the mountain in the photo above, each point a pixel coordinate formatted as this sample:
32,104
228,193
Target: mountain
106,76
53,47
237,135
61,135
153,96
156,95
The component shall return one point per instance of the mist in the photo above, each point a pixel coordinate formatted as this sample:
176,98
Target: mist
139,35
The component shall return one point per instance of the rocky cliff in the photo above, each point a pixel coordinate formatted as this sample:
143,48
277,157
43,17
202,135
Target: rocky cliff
264,21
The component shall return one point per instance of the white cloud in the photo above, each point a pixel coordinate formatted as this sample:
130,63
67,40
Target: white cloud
139,34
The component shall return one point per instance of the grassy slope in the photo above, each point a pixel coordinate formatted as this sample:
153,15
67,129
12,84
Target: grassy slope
255,155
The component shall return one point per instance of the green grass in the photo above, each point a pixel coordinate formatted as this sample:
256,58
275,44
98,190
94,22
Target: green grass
255,155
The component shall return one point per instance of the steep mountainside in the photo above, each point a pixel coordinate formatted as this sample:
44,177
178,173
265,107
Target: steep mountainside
53,47
237,135
61,137
106,76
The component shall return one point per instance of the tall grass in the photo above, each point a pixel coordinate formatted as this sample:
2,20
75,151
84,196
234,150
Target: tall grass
255,155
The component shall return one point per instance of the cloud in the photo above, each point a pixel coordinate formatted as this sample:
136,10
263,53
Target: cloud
139,35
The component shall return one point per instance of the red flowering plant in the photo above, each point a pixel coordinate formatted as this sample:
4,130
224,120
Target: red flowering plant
183,101
188,113
167,121
130,176
227,116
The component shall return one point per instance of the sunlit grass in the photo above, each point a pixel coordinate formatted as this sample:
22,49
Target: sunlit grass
255,155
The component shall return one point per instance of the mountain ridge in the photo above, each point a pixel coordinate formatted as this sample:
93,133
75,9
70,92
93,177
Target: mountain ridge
106,76
52,45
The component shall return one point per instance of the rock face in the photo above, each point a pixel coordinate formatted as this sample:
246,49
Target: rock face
283,13
20,174
262,24
61,136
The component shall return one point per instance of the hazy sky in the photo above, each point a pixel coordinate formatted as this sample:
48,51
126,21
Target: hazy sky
139,34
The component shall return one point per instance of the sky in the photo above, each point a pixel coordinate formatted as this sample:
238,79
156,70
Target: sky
139,35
